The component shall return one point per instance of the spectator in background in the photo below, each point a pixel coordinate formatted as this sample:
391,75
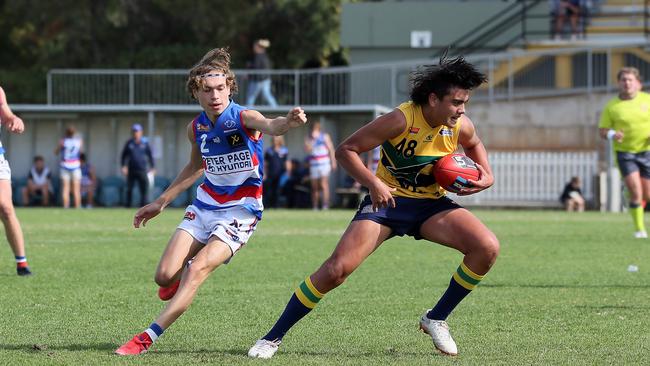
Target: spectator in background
260,82
275,159
69,149
564,9
39,184
572,197
88,182
295,184
285,178
13,231
372,161
626,122
137,163
320,150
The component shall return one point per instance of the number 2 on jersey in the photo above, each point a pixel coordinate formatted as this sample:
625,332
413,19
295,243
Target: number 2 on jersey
203,139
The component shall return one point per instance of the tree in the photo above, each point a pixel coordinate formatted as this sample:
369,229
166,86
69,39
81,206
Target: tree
151,34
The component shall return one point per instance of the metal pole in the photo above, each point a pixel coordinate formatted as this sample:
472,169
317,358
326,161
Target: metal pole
609,70
49,87
319,85
296,87
645,18
490,78
393,86
590,67
523,21
131,87
151,124
511,80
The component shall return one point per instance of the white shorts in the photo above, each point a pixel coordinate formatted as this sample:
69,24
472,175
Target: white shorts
320,171
74,174
233,226
5,170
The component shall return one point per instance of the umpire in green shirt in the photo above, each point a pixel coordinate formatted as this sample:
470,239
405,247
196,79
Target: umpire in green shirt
626,120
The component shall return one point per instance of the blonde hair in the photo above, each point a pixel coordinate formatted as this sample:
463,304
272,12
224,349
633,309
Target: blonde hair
215,59
629,70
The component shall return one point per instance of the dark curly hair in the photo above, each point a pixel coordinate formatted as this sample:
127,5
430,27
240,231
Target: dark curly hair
216,59
439,79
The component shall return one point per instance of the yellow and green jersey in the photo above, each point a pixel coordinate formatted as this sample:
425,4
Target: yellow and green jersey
633,118
407,160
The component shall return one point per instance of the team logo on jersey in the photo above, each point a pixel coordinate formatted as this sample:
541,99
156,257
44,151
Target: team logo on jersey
200,127
446,132
216,140
414,130
189,215
429,138
229,124
230,163
235,139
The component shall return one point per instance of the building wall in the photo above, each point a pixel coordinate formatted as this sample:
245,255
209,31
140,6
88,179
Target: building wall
381,31
561,124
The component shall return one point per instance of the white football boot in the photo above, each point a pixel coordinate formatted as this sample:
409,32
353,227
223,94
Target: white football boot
439,332
641,235
264,349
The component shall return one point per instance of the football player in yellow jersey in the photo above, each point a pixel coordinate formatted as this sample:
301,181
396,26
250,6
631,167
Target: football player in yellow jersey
626,120
404,200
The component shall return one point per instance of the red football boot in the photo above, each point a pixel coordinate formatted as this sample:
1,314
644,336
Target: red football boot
166,293
136,346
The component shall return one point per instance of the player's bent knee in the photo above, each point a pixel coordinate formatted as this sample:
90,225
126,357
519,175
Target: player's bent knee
336,272
198,270
6,211
490,247
164,279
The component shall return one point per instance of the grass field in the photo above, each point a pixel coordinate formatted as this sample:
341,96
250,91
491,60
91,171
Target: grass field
560,293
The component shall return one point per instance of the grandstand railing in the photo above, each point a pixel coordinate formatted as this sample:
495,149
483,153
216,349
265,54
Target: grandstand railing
512,75
536,179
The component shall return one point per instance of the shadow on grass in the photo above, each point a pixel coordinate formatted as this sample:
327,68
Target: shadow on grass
242,353
613,307
498,285
333,353
36,348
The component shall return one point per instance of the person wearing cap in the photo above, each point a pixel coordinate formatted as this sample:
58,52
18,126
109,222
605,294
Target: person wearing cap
137,163
260,81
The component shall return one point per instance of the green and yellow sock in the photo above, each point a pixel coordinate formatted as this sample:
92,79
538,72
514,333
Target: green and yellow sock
461,284
636,211
303,300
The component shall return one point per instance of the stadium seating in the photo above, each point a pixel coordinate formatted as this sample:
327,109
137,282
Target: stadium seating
17,185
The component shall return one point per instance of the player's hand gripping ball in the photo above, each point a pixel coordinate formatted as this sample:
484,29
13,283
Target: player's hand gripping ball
453,171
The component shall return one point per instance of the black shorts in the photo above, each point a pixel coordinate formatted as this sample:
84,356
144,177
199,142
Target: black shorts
629,163
407,216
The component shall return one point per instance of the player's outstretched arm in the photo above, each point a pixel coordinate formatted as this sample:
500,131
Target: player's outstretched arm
474,148
12,122
188,175
276,126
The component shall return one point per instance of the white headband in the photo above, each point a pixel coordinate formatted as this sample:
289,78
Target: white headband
212,75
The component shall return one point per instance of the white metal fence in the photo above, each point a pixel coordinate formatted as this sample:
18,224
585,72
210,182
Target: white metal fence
536,178
515,74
